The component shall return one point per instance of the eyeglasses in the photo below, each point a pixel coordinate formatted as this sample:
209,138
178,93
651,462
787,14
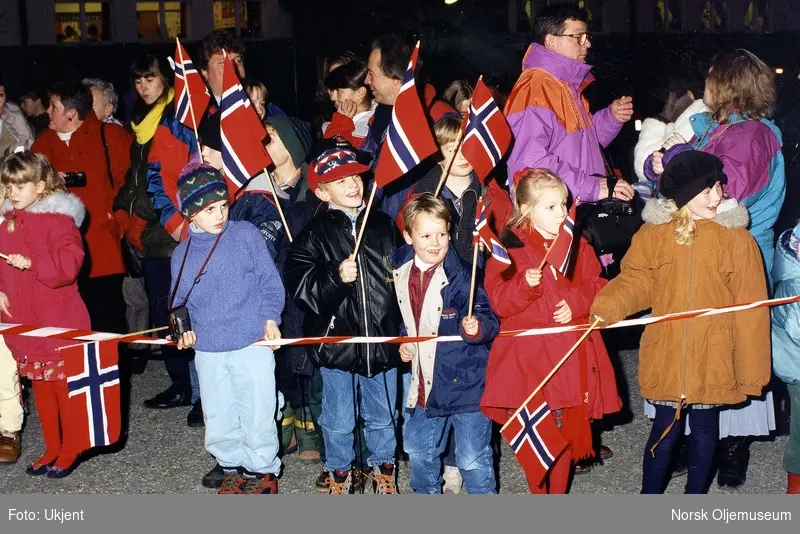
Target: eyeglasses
582,37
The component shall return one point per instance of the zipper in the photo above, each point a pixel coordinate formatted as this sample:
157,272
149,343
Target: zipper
361,276
327,331
687,306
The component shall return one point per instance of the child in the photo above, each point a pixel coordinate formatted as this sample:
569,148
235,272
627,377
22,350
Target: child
225,277
786,342
461,190
38,286
584,389
433,289
343,295
353,101
690,255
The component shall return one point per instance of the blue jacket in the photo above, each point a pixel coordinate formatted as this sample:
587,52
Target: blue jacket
454,371
786,318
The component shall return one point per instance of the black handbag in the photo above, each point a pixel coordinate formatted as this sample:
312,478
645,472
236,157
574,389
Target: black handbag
609,224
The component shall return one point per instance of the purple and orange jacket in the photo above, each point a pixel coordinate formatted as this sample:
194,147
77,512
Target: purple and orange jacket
552,125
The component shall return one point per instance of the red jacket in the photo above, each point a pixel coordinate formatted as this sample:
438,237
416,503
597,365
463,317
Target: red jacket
46,294
518,365
85,153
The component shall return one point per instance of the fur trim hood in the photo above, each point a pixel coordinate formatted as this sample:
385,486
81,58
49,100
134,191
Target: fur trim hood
58,202
730,214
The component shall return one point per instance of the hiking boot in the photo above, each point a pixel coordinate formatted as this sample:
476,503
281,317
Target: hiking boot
321,484
10,447
309,457
733,456
340,483
260,485
232,483
383,476
359,479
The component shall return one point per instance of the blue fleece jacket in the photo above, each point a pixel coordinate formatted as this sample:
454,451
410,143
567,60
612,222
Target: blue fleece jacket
240,290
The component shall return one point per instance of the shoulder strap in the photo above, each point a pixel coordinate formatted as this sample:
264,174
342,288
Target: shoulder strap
105,150
196,278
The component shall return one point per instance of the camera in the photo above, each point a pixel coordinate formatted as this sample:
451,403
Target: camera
179,322
75,179
615,206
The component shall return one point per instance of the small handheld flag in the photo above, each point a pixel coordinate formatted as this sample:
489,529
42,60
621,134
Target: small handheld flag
560,252
485,235
191,91
408,138
94,392
487,135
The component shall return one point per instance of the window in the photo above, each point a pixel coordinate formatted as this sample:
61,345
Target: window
83,21
242,18
713,15
756,16
668,15
161,20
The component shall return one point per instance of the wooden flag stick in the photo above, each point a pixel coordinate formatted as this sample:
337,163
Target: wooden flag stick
278,204
551,373
455,152
189,95
474,272
132,334
4,257
366,216
541,265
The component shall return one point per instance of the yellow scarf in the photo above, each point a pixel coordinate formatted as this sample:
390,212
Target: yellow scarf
146,129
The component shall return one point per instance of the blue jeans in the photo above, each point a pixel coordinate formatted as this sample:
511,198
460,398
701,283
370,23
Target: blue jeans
240,408
425,439
338,417
702,445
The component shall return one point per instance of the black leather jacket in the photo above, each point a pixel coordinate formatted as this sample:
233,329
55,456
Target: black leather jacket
366,307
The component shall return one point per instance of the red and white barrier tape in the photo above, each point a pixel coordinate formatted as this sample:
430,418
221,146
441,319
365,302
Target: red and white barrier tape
84,335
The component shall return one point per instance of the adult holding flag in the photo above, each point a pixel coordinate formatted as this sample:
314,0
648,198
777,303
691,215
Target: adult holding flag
524,296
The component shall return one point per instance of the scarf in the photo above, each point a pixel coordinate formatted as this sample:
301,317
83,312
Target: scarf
146,129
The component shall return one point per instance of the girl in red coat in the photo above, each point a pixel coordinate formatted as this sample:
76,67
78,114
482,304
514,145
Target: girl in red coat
39,233
525,297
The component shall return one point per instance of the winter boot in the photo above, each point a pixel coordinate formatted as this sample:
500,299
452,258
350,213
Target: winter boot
733,457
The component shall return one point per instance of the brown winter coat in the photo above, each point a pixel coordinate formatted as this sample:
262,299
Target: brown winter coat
710,360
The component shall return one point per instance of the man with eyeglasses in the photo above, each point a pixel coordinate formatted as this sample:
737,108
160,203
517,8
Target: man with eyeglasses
553,127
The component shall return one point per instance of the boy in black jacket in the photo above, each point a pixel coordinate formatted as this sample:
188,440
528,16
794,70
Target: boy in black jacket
343,295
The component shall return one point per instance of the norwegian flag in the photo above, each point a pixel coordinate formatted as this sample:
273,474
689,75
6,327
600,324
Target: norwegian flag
484,234
560,252
243,154
536,440
487,135
189,87
408,137
94,392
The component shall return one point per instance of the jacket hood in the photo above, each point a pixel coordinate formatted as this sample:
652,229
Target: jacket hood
56,203
730,213
785,265
570,70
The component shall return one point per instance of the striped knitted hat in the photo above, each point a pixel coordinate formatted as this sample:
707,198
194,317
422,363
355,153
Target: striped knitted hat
199,185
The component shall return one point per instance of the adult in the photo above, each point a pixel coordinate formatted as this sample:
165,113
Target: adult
740,93
94,157
34,104
549,115
104,99
14,130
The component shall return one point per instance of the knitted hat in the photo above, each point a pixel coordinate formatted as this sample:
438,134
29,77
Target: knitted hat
688,173
295,136
334,163
199,185
209,132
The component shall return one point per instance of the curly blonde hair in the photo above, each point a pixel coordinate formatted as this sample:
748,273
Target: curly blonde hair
29,167
530,185
685,226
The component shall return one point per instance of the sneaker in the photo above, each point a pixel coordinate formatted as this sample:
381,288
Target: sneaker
452,480
383,477
322,483
232,483
340,483
260,485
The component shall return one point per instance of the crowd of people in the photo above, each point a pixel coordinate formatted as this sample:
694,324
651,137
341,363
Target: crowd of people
114,226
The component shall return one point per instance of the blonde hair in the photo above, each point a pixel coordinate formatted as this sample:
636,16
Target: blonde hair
685,226
426,204
29,167
447,129
531,184
740,81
